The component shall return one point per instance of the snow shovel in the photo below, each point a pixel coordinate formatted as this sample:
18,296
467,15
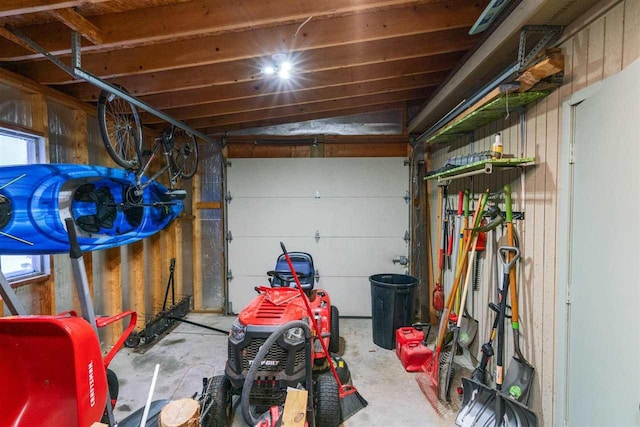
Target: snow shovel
483,406
517,381
478,402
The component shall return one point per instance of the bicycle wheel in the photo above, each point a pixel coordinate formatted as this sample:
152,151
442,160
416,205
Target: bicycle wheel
120,129
184,156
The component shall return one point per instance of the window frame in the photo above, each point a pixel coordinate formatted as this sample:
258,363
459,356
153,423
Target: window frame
36,153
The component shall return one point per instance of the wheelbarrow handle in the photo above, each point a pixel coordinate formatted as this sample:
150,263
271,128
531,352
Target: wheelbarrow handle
504,252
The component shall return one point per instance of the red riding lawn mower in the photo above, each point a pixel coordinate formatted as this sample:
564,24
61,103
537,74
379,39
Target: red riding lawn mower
278,320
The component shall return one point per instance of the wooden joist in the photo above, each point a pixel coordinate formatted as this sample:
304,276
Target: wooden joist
79,23
552,64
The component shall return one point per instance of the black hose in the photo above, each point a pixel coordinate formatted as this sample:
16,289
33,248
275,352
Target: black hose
262,353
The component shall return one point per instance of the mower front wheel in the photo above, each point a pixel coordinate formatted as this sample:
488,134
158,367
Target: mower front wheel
218,403
334,339
327,401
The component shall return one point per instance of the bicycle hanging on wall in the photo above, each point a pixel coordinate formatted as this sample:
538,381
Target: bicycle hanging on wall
121,133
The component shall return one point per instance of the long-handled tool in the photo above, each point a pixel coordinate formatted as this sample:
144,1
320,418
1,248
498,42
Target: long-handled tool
432,366
496,219
350,400
481,405
508,261
519,375
438,292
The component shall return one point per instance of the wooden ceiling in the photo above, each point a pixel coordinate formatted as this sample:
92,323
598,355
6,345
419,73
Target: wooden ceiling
201,61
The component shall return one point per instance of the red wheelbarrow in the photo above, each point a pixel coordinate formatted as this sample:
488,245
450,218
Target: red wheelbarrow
52,369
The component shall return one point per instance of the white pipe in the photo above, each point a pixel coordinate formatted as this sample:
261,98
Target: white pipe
145,414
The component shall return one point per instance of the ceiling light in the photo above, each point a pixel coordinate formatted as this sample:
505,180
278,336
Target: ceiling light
280,66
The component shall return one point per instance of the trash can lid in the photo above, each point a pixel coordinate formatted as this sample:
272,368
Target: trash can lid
393,280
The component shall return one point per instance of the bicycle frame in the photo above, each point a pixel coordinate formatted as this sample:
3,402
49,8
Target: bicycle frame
166,143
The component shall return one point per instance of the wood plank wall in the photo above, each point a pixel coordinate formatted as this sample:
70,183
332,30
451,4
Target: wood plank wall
124,278
597,45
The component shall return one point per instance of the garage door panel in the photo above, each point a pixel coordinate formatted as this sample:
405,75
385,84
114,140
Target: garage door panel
333,217
256,256
358,256
276,216
352,295
361,217
330,177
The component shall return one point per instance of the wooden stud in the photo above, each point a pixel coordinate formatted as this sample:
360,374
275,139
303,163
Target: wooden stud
208,205
15,39
80,154
137,284
80,24
551,65
197,246
112,292
21,7
24,84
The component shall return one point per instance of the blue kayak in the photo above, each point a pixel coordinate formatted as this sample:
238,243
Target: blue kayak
106,205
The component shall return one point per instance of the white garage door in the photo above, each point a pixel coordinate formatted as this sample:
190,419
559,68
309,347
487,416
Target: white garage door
356,206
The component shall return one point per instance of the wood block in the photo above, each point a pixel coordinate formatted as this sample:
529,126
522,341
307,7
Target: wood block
295,408
180,413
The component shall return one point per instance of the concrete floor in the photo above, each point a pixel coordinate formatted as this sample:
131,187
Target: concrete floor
189,353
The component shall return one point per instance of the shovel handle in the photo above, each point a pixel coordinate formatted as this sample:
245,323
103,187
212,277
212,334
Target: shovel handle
506,258
513,289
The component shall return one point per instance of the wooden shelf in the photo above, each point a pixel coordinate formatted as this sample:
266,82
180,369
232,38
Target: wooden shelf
480,167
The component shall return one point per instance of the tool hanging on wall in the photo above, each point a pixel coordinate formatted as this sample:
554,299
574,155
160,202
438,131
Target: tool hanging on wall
432,365
438,291
496,220
519,375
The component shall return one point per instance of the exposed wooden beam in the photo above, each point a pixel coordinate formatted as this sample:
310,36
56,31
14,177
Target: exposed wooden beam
22,83
79,23
315,107
301,98
358,54
374,148
258,43
14,39
363,73
199,17
21,7
307,116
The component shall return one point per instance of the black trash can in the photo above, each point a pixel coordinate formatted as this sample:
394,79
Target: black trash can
392,303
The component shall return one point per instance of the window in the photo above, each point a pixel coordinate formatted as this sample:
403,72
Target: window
15,149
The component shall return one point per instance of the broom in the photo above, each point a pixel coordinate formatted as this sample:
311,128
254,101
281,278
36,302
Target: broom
350,400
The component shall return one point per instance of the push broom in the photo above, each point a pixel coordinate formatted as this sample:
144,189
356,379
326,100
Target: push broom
350,400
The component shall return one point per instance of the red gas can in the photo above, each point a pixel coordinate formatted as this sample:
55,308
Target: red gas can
413,355
411,347
407,335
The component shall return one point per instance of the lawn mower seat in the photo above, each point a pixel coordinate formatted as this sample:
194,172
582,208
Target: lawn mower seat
52,372
303,265
52,369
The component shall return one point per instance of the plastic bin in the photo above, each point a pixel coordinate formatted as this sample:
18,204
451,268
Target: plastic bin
392,303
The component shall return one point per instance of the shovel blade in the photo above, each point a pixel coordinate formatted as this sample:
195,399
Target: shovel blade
479,408
518,379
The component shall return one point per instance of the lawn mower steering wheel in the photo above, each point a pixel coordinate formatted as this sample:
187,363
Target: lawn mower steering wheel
285,276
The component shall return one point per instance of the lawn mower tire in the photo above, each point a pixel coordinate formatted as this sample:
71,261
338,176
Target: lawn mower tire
334,339
218,402
327,401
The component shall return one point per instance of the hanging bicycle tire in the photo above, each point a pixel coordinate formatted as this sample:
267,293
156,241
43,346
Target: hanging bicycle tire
184,156
120,129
